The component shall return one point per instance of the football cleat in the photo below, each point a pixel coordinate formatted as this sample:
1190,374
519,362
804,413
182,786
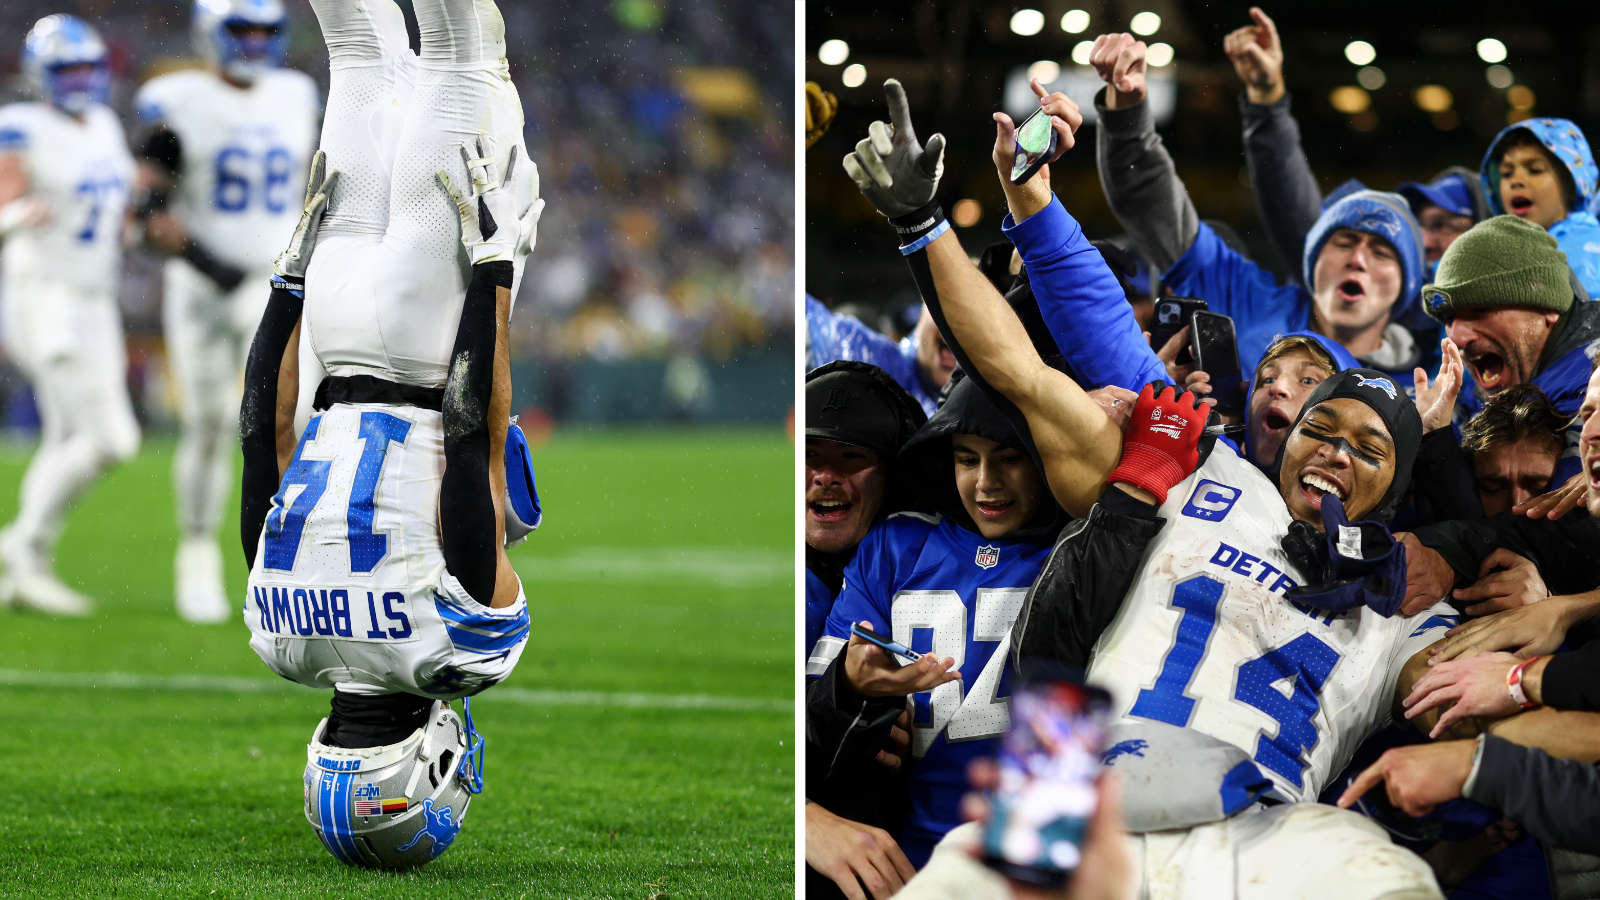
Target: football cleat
67,63
28,581
523,513
202,599
400,806
241,37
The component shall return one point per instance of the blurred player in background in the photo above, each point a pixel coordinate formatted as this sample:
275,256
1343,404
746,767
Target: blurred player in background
65,175
220,168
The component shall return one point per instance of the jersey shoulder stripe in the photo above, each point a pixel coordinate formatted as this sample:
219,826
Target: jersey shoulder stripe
158,97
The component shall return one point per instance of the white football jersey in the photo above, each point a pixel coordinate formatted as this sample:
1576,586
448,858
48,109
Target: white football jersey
349,588
245,154
1205,638
84,171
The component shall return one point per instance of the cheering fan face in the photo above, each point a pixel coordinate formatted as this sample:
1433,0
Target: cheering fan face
1340,447
844,489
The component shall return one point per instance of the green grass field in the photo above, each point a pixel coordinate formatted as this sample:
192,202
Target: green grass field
664,569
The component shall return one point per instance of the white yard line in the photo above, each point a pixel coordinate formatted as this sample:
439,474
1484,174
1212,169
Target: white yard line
124,680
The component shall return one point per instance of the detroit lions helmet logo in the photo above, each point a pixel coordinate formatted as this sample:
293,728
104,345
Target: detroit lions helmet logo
1382,384
1379,223
436,825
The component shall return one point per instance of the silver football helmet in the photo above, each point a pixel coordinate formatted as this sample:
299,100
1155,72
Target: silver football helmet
398,806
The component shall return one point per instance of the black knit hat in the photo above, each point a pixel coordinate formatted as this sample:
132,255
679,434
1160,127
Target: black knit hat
1398,411
858,403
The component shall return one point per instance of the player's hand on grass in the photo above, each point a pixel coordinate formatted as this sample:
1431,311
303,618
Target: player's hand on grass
853,854
292,262
1436,402
1556,503
491,227
896,174
1429,577
895,753
1474,686
874,672
1417,777
1526,631
1506,580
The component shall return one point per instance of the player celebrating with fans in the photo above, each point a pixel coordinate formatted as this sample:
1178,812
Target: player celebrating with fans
1251,633
378,566
225,150
65,174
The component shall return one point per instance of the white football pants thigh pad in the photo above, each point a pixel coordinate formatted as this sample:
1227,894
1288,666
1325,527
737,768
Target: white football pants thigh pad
208,334
349,588
1302,851
86,420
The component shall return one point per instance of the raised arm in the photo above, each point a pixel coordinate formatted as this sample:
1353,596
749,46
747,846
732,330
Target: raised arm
1287,193
1138,176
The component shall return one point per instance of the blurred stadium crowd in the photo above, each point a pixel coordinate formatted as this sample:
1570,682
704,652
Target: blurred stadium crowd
663,282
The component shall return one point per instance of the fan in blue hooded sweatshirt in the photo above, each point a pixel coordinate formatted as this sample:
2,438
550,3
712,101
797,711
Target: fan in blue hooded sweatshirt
1542,170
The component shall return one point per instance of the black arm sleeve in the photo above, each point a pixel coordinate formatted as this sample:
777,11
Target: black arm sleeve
258,416
1084,581
226,275
1286,190
1441,480
1563,550
1572,680
844,732
1556,800
162,147
467,525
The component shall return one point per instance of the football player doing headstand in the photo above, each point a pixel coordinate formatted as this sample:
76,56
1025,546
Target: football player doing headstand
1251,634
376,539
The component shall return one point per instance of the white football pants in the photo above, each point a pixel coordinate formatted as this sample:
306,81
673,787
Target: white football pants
70,347
385,287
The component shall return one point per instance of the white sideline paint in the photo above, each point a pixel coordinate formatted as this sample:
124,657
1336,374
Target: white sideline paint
721,566
124,680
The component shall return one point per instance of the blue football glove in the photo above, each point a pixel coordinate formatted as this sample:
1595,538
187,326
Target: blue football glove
522,495
1356,565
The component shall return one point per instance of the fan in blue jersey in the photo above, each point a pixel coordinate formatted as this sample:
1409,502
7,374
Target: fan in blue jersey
857,419
919,362
947,585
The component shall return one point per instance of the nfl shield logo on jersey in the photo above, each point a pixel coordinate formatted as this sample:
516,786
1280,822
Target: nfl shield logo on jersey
988,557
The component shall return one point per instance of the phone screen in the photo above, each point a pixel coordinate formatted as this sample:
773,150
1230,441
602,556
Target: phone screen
1035,141
1217,354
1049,761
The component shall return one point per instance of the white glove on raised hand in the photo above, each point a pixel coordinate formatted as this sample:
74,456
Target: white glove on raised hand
897,175
27,211
291,263
486,225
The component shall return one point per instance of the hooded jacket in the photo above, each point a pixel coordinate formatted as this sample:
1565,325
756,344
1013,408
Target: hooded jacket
1578,235
934,583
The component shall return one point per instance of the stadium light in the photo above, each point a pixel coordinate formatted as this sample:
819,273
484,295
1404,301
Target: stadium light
1081,51
1371,78
833,53
854,75
1434,98
1160,54
1145,23
1491,50
1350,99
1360,53
966,213
1046,70
1521,97
1027,22
1500,77
1076,21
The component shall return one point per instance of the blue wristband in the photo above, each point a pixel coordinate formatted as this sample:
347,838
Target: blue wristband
926,239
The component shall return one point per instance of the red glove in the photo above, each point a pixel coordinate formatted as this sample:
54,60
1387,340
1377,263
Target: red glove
1162,444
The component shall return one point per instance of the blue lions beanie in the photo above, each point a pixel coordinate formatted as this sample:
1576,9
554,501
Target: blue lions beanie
1380,213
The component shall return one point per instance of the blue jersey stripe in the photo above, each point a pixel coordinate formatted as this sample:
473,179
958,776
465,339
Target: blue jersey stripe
480,643
479,633
1437,622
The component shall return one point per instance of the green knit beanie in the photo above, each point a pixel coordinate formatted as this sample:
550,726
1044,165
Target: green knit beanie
1503,261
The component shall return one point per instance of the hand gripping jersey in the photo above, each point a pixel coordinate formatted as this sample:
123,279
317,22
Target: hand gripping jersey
245,152
939,588
1206,640
84,172
349,588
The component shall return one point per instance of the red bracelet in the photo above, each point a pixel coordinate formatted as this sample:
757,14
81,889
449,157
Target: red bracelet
1514,684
